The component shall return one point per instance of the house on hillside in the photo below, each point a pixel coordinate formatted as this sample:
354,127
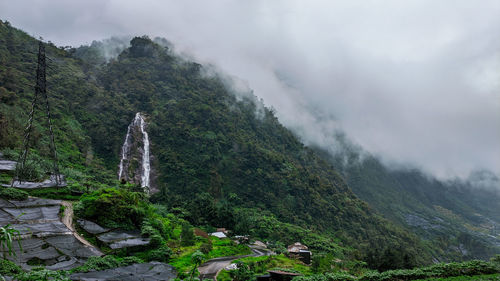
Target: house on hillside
300,251
220,233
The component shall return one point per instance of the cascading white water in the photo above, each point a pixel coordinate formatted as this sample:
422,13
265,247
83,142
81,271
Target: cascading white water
138,122
146,168
125,150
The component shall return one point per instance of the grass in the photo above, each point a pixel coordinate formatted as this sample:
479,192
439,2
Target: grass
62,193
182,257
489,277
225,248
260,265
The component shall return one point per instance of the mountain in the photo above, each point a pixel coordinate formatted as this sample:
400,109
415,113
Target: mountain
223,159
459,218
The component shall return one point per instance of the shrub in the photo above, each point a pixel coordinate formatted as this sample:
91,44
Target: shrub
42,274
243,273
9,268
187,235
13,194
206,248
124,209
106,262
161,254
327,277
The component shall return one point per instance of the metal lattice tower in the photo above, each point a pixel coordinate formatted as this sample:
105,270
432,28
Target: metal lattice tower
40,90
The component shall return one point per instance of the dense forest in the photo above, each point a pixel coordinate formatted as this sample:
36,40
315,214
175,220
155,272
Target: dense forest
222,159
458,217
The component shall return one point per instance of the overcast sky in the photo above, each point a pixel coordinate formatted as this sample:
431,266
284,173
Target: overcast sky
412,81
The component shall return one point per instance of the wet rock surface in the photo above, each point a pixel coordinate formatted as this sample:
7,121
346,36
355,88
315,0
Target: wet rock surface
117,235
116,238
132,242
51,182
92,227
45,239
7,165
152,271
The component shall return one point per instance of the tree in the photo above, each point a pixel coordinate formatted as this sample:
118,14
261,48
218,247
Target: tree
197,259
187,235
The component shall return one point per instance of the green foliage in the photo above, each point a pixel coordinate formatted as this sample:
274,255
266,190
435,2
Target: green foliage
489,277
7,237
327,277
41,274
161,254
470,268
106,262
205,248
9,268
13,194
60,193
187,235
242,273
124,209
443,213
230,152
197,259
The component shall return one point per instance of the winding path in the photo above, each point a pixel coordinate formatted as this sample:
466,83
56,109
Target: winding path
211,268
67,219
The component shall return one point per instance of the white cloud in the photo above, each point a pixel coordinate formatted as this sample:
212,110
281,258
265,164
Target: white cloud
414,81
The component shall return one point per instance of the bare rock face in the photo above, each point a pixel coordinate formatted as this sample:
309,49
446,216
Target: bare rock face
135,162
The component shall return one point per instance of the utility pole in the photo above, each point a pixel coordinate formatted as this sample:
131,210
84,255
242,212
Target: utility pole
40,90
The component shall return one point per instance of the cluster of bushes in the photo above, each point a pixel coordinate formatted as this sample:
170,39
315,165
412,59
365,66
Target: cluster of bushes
470,268
124,209
13,194
106,262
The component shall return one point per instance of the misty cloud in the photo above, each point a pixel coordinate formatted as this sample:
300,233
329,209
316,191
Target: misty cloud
411,81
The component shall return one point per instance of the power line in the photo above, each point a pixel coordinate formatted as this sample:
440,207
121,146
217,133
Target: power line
40,90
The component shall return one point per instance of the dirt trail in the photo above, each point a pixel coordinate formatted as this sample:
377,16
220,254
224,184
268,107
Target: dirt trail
211,268
67,219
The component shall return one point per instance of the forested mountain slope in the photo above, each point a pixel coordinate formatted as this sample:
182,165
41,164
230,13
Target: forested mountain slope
222,160
460,218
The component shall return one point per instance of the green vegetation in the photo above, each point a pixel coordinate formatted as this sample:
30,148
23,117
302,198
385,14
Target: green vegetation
41,274
229,152
7,237
250,267
13,194
470,268
124,209
490,277
449,215
9,268
106,262
222,160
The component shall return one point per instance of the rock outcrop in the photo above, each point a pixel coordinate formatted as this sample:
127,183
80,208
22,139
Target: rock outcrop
135,161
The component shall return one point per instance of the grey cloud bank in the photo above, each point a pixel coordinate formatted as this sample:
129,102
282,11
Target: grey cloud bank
414,82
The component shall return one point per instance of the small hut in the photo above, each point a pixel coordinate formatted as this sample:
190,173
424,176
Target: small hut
300,251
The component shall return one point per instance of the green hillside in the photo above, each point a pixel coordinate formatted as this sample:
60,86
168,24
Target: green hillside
460,220
219,163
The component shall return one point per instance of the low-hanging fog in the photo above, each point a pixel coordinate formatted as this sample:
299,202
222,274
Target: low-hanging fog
414,82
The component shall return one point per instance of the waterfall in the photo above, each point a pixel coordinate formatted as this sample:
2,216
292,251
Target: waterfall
125,150
146,168
137,124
